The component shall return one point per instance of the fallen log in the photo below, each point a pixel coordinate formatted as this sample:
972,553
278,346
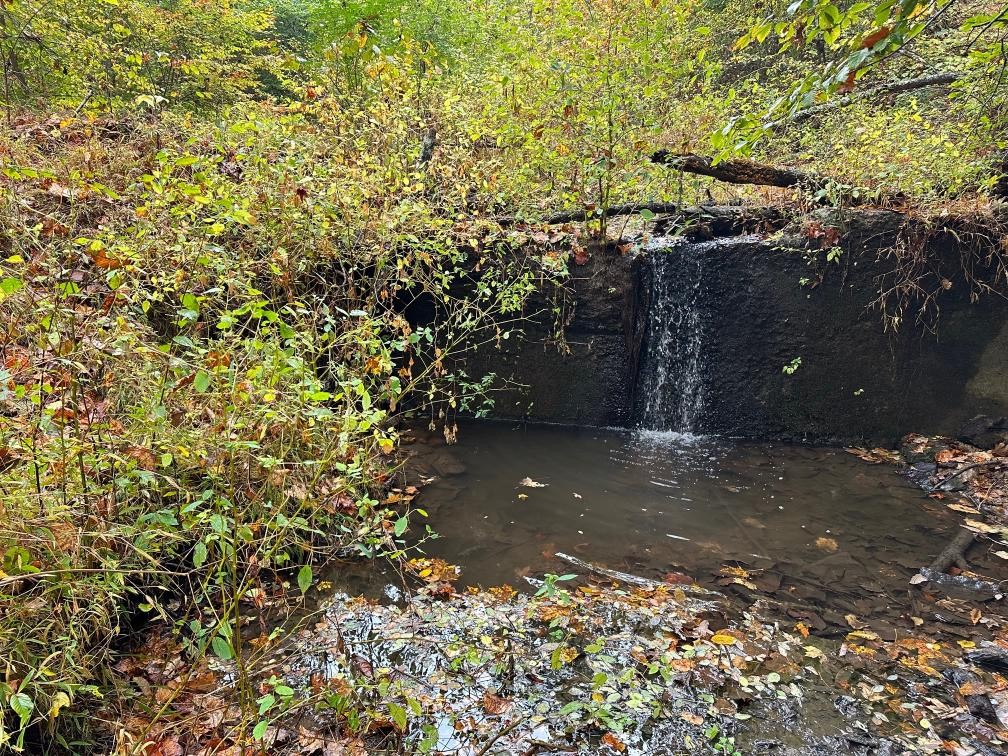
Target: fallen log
741,171
625,577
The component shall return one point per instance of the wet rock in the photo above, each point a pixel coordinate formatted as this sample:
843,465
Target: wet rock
984,432
445,464
763,319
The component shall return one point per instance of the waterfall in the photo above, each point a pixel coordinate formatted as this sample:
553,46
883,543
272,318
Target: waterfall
672,383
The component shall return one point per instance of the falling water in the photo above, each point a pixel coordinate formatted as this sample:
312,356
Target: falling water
672,387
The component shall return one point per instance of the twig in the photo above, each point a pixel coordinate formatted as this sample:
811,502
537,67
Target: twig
500,735
961,470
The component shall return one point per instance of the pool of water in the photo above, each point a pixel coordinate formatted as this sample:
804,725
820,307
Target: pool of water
818,529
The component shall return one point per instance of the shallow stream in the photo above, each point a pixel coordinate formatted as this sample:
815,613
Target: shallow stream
819,528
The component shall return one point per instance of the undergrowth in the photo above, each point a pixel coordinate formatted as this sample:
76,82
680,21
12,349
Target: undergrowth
204,348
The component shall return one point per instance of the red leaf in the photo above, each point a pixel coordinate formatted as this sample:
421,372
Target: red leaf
848,85
876,36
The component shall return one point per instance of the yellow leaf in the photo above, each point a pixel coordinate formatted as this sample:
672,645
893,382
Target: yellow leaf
59,702
723,639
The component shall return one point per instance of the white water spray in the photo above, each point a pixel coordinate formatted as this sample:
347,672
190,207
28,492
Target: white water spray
672,387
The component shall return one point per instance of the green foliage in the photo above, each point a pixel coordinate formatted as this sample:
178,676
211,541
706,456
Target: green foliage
204,353
110,54
861,45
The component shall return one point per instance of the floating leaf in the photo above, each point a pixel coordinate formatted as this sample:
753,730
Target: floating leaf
529,483
827,544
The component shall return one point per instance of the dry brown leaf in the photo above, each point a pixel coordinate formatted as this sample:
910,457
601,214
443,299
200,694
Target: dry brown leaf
494,704
613,742
944,456
875,37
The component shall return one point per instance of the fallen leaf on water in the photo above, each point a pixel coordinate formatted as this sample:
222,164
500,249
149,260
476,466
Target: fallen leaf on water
854,622
826,544
862,635
529,483
982,527
433,570
677,578
974,689
965,508
874,456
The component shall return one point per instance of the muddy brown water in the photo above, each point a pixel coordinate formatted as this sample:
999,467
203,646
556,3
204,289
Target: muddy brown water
818,528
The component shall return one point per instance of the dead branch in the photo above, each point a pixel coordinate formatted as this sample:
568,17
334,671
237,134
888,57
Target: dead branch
741,171
625,577
579,216
892,87
967,468
954,553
